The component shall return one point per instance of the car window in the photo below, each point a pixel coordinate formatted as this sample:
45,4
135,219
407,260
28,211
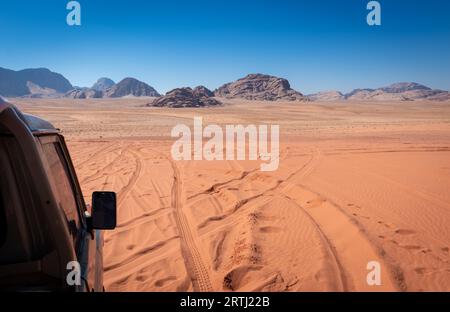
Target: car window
63,184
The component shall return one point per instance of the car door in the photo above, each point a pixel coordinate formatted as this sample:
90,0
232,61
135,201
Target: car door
88,244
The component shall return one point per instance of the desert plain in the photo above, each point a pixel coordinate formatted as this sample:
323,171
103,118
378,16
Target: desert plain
357,182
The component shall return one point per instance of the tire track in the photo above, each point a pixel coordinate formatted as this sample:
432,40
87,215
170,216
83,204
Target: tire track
96,153
395,274
305,170
94,176
215,188
193,260
123,193
345,276
328,247
339,250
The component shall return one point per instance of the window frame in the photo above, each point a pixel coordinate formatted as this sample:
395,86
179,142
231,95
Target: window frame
67,164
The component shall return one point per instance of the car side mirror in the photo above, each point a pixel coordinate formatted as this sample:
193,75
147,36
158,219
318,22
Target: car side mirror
103,210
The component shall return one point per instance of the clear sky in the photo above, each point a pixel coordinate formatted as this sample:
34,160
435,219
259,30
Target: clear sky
317,45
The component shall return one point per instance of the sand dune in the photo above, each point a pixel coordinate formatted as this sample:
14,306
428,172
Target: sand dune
357,182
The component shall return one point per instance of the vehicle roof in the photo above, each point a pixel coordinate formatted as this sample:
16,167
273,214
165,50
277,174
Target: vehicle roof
35,124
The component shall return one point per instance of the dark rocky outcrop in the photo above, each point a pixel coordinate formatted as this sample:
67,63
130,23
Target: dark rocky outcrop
186,97
203,91
83,93
260,87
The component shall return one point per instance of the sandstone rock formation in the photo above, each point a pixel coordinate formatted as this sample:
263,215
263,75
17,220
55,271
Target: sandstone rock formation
203,91
186,97
83,93
260,87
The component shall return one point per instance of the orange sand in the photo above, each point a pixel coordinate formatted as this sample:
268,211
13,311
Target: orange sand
357,182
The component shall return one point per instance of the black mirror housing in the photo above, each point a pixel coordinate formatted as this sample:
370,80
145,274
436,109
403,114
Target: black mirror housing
104,210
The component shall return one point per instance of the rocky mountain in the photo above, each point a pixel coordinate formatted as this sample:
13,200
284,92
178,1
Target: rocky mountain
202,92
186,97
404,87
27,82
102,84
36,91
126,87
130,87
325,96
2,100
403,91
43,83
83,93
260,87
441,96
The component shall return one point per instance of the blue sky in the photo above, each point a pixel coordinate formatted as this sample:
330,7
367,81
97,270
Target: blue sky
317,45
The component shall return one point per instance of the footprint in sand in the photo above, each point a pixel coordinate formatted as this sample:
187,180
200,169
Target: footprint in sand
412,247
270,229
315,202
361,216
421,270
163,281
385,224
404,232
141,278
353,205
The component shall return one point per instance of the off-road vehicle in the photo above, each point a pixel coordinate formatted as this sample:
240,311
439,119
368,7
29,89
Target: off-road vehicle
47,234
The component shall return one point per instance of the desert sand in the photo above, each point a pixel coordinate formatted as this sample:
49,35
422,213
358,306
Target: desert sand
357,182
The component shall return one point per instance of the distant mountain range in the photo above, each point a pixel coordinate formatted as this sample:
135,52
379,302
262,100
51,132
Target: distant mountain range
43,83
106,88
31,81
403,91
